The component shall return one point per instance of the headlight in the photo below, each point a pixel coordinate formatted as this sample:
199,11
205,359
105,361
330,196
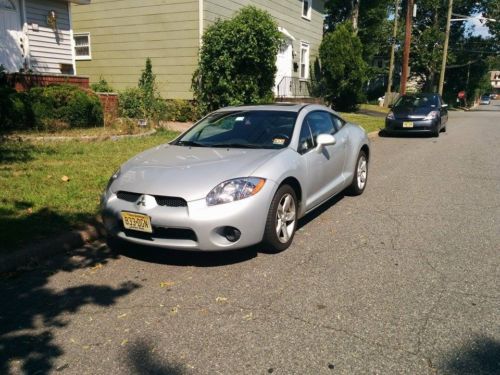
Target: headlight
432,115
234,190
113,178
390,116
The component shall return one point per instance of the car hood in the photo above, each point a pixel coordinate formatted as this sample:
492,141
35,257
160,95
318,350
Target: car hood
412,112
187,172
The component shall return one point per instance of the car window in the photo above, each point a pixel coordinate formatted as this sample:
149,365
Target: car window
337,122
320,123
246,129
305,140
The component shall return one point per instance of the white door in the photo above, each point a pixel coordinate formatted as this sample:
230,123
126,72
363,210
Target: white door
284,62
11,54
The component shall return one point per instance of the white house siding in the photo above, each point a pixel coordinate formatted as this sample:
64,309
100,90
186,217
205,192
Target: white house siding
48,48
288,14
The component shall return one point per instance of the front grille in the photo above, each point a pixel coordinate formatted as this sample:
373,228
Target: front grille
170,201
127,196
160,199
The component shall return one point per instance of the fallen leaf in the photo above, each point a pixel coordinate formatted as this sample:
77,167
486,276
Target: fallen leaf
121,316
166,284
96,267
124,342
221,299
248,317
29,210
65,178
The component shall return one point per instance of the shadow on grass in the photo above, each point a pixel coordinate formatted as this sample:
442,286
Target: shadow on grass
141,361
479,356
19,227
32,312
20,152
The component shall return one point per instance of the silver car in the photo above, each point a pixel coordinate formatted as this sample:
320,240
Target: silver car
240,176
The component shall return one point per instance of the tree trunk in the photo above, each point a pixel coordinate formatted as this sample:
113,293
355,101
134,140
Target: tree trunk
355,15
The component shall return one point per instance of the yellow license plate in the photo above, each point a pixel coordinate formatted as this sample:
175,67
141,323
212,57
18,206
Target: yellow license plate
407,124
137,222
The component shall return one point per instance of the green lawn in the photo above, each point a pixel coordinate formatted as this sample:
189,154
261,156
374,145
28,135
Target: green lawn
35,202
369,123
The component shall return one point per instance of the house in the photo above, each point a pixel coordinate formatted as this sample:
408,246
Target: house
116,37
495,80
36,36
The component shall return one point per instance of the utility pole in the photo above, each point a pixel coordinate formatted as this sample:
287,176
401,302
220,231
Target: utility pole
393,47
445,50
406,51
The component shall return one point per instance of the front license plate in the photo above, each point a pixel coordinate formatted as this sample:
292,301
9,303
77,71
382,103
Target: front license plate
139,222
407,124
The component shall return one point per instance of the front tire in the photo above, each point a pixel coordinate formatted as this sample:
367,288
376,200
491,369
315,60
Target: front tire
436,131
360,177
281,220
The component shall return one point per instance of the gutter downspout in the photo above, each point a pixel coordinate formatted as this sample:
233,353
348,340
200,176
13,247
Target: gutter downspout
26,38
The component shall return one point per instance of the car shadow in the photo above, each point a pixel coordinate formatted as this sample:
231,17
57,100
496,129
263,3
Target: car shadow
383,134
187,258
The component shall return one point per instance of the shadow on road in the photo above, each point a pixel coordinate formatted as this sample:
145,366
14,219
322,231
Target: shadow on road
479,356
141,360
32,312
187,258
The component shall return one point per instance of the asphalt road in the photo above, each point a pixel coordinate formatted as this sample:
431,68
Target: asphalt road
402,280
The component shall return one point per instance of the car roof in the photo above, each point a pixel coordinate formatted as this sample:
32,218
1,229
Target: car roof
288,107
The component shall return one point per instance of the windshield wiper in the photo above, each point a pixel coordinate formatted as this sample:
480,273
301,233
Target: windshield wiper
191,143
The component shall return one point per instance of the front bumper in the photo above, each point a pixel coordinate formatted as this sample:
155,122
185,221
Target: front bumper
419,126
195,227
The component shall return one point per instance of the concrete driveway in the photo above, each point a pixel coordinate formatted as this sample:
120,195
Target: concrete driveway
402,280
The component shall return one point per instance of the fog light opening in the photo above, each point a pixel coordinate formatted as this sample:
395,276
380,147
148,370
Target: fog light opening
232,234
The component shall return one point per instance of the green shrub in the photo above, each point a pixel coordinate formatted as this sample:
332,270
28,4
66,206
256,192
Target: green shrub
180,110
101,86
343,71
237,61
143,101
65,103
15,110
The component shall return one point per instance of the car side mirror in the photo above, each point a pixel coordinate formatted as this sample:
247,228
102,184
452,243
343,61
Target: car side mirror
444,106
324,140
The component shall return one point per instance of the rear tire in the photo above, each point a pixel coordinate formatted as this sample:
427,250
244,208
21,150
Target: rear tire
360,177
281,220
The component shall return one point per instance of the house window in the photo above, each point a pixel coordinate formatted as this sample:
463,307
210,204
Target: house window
7,4
82,46
306,9
304,61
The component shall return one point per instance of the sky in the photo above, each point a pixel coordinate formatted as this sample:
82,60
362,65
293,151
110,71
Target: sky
477,27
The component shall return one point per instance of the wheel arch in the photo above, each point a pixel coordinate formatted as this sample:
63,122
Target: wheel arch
295,185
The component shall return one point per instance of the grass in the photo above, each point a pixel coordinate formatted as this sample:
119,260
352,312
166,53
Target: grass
369,123
36,203
374,108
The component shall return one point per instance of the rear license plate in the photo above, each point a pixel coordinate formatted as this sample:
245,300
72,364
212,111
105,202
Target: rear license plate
139,222
407,124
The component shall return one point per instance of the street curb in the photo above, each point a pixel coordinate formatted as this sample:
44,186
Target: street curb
52,246
374,134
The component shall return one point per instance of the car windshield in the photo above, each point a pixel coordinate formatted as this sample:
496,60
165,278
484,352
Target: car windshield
242,129
417,101
485,97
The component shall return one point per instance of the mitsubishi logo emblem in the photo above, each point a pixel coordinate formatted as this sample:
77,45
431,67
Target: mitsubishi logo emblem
141,201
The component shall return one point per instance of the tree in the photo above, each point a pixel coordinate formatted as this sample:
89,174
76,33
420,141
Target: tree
237,62
343,71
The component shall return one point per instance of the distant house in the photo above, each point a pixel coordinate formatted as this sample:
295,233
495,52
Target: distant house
495,80
36,36
118,36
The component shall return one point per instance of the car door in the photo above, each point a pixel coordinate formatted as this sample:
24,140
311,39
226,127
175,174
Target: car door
324,166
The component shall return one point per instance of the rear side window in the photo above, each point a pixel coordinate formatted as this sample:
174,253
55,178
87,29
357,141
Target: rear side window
314,124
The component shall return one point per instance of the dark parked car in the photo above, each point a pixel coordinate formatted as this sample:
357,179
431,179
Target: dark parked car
417,113
485,99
